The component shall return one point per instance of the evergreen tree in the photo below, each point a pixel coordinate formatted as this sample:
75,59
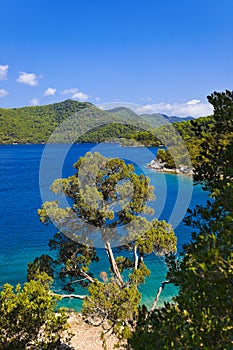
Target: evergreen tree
201,315
108,205
28,318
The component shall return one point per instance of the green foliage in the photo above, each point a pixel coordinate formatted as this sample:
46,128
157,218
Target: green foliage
108,301
188,130
146,138
165,157
34,268
28,317
201,315
35,124
109,201
103,133
89,124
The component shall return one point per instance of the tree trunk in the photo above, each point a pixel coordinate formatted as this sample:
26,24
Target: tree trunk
135,258
158,294
76,296
89,278
113,264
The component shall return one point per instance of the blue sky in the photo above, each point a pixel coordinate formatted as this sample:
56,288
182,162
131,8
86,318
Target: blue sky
165,55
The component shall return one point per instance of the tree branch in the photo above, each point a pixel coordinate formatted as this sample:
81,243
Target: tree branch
113,264
161,288
135,258
75,296
89,278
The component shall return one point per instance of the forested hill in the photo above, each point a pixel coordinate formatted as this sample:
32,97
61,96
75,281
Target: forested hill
195,134
36,124
154,120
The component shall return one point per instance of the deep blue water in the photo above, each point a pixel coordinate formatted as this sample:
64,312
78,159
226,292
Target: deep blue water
23,237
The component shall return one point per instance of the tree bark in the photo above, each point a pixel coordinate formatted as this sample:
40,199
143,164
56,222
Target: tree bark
113,264
135,258
161,288
76,296
89,278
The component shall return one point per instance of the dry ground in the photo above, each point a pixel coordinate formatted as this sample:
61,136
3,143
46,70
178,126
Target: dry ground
87,337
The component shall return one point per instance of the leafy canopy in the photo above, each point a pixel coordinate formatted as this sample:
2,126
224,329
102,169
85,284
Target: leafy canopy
201,315
28,318
108,207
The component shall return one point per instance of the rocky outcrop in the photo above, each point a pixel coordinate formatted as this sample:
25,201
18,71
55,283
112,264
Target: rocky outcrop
161,167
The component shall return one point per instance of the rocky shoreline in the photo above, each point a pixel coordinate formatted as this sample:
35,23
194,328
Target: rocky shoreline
161,167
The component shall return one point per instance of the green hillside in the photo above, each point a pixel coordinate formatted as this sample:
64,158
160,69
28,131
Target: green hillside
154,120
195,134
86,123
35,124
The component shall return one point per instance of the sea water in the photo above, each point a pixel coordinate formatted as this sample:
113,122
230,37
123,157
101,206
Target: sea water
23,237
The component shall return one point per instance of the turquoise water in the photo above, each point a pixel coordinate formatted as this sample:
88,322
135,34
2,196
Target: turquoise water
23,237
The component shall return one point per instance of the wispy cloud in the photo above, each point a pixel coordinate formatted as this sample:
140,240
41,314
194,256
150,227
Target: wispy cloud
3,72
30,79
35,102
50,92
3,93
190,108
70,91
145,99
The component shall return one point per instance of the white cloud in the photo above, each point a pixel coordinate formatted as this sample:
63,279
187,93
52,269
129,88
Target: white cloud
145,99
80,96
191,108
193,102
3,72
50,92
34,102
3,93
70,91
28,78
76,94
97,99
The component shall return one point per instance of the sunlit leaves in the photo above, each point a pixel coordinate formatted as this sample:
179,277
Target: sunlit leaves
28,317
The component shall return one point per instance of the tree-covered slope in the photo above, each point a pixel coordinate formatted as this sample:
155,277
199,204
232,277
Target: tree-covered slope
200,316
86,123
190,134
35,124
154,120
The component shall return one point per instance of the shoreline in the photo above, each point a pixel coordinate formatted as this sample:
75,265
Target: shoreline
161,167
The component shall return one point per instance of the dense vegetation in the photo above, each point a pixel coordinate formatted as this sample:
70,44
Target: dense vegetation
28,319
109,132
106,194
193,133
154,120
36,124
200,316
109,202
126,135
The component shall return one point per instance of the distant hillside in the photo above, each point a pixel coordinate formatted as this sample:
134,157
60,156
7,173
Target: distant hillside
36,124
154,120
122,112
